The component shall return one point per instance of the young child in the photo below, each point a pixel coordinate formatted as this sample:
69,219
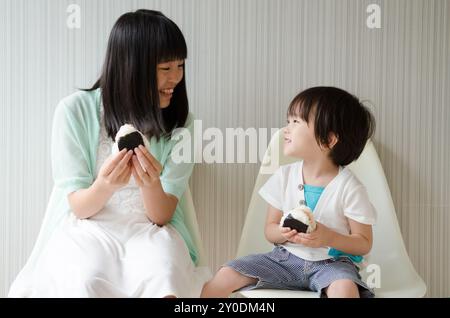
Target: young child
327,128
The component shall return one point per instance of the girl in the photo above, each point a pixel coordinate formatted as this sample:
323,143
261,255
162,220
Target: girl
328,128
117,229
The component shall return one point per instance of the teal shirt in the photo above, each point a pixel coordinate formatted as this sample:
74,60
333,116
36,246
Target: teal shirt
75,136
312,195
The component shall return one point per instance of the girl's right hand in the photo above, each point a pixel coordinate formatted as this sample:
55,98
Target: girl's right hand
115,171
289,234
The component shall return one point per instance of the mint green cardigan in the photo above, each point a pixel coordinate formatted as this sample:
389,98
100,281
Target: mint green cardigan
75,136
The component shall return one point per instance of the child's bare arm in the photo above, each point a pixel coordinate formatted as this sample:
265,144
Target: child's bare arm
159,205
87,202
358,242
114,174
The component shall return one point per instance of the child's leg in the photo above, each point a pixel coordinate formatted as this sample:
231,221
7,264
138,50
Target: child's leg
225,282
339,278
342,288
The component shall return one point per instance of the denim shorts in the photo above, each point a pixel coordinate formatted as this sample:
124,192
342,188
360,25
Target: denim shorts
279,269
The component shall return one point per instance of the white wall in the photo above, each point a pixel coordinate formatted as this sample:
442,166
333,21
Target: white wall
247,59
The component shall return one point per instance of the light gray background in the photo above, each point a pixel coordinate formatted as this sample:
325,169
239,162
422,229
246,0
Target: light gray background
247,59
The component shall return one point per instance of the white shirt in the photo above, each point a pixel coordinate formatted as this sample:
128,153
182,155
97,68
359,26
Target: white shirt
345,197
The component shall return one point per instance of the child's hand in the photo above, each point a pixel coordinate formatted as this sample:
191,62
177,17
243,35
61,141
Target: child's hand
288,234
115,171
152,167
321,237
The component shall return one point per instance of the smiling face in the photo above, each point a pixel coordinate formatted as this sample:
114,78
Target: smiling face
299,138
169,74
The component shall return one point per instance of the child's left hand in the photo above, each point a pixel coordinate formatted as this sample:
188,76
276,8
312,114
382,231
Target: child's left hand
322,236
152,167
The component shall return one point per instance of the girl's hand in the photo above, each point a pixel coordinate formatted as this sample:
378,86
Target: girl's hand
322,236
288,234
153,168
115,171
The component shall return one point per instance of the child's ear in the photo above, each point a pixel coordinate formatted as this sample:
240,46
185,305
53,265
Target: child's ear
332,140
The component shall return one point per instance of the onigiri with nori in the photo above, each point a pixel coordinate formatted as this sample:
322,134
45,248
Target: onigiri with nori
128,137
300,219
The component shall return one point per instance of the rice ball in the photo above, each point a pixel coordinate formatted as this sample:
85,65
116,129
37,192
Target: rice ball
128,137
300,219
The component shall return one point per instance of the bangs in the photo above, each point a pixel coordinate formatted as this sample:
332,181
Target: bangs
170,43
302,106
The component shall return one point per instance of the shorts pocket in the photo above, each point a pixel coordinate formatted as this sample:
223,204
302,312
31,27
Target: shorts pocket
348,261
279,254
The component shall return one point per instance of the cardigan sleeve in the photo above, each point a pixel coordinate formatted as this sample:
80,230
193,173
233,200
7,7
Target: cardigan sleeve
273,190
179,165
69,150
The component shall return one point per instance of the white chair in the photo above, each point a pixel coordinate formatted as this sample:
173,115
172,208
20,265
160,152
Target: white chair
398,277
192,225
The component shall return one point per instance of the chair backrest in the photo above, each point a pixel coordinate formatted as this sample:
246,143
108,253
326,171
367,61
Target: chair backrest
388,251
187,205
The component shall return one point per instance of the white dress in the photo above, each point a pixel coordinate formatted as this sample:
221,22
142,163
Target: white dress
116,253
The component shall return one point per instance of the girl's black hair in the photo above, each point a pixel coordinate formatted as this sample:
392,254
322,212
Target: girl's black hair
334,110
128,81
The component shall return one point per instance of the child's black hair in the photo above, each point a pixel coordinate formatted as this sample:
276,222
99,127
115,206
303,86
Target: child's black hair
334,110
